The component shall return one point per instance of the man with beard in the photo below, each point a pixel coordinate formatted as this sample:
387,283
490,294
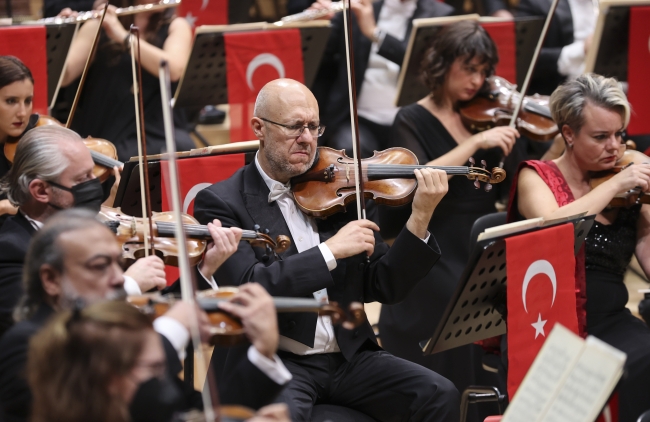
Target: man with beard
74,257
53,170
339,259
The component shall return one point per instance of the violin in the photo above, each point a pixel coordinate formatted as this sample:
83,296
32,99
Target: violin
227,331
388,178
102,151
497,107
631,197
131,232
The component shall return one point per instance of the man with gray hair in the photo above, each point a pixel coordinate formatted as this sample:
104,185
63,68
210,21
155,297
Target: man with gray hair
53,170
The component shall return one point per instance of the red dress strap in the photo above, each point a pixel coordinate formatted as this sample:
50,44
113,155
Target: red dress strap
553,177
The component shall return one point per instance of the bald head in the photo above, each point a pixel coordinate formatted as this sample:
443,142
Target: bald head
277,94
283,109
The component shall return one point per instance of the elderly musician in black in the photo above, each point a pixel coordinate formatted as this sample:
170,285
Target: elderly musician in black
328,259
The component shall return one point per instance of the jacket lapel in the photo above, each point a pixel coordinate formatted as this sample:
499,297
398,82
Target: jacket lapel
267,215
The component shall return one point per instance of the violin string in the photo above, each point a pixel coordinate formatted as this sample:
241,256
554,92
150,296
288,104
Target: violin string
198,230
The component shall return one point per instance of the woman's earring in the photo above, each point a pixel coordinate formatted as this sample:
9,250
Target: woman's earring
570,145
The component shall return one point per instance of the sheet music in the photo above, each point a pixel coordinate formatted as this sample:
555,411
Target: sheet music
570,380
589,384
552,365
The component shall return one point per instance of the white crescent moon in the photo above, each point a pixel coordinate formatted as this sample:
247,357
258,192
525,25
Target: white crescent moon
541,266
259,60
204,4
192,194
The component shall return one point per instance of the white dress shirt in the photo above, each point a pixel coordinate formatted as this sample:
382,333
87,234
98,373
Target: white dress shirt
305,235
571,62
376,100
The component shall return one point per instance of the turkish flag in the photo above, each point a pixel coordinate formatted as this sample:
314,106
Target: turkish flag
541,291
638,62
28,44
503,35
204,12
196,174
252,60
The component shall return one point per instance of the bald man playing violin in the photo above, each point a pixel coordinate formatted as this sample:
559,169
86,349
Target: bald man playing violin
339,259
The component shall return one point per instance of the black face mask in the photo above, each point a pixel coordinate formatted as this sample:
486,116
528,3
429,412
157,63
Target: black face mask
88,194
156,400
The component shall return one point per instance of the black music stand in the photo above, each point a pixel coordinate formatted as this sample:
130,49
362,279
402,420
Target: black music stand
410,88
608,54
128,196
59,38
204,81
471,314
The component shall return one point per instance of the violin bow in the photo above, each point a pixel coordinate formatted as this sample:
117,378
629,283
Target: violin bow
354,119
531,67
84,73
187,282
145,197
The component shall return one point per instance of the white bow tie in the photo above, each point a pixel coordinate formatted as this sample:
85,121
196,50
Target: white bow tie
278,190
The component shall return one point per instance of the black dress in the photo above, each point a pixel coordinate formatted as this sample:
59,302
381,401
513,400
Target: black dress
608,251
403,326
107,110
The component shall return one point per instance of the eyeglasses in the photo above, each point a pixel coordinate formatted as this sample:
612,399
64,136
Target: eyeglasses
296,130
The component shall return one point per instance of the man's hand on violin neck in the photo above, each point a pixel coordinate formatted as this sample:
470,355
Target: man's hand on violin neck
148,272
254,306
224,243
354,238
432,186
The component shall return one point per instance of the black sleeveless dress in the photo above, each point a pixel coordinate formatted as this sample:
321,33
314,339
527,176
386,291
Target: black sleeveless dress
107,109
403,326
608,251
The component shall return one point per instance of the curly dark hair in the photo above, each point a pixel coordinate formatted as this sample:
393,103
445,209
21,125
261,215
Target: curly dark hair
464,39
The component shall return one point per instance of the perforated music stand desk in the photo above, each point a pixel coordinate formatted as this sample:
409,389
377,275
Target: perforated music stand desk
59,38
128,196
204,81
410,87
608,54
471,315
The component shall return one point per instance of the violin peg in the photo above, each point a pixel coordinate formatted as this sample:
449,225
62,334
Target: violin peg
488,187
484,163
267,231
472,161
477,184
256,227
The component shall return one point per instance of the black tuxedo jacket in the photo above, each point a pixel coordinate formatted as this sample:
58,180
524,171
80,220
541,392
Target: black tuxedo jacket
331,86
241,201
560,33
15,235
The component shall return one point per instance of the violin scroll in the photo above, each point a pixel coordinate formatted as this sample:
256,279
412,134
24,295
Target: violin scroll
482,174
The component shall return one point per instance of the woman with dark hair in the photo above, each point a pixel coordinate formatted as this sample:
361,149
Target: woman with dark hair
97,363
106,107
455,70
16,94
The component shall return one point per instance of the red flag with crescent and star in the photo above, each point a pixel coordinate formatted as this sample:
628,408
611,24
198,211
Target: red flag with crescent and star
541,292
28,44
252,60
196,174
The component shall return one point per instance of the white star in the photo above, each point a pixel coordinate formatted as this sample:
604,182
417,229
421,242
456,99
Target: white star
539,326
190,19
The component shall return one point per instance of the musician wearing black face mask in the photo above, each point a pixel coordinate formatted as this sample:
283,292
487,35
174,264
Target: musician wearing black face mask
52,171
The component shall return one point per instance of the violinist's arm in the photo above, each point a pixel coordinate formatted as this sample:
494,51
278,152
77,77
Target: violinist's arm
642,250
176,50
537,200
79,51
